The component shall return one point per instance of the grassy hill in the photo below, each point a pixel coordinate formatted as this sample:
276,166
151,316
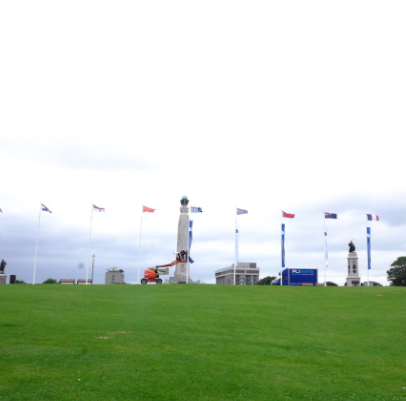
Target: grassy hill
202,342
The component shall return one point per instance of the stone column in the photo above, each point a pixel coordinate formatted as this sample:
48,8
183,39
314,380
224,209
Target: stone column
183,243
3,278
353,278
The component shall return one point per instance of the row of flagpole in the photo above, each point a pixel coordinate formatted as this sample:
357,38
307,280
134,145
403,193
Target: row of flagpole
98,209
46,209
91,257
327,215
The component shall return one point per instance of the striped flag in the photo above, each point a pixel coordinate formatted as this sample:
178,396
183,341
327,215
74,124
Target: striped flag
372,217
44,208
241,211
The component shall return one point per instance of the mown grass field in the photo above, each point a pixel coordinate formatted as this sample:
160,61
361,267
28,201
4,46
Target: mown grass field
202,342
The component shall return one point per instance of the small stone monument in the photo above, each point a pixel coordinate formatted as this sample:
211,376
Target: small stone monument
353,279
3,276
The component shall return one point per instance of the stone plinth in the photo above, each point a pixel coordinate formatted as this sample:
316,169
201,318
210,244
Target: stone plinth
180,276
3,278
353,278
181,272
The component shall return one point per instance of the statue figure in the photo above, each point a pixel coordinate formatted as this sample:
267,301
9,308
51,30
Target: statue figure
182,256
3,264
352,247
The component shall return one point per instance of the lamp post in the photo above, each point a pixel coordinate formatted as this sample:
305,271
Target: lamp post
93,256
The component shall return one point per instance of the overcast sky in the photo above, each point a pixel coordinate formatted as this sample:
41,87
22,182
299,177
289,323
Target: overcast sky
260,105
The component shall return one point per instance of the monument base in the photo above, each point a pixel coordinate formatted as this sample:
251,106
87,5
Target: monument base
181,274
353,281
3,278
353,278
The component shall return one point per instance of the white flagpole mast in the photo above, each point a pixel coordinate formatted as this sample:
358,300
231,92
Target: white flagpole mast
281,250
325,250
90,236
368,250
36,246
139,246
188,255
236,245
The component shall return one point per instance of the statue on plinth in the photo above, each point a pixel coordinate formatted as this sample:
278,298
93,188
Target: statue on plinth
353,278
3,265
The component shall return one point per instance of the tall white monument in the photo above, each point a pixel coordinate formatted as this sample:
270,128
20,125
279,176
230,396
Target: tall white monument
353,278
182,247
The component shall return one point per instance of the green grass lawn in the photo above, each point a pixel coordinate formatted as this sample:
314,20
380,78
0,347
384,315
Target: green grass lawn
202,342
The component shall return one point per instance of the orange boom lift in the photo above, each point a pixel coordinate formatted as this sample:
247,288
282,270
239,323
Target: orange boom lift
151,274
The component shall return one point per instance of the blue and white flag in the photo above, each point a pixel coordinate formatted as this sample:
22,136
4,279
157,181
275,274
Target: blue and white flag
236,246
369,246
195,209
283,245
190,239
325,248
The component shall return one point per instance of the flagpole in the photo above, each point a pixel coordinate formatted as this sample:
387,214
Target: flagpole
139,245
368,250
281,251
90,235
36,246
236,245
188,255
325,249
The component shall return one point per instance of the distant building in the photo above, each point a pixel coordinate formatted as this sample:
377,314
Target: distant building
114,276
83,281
245,274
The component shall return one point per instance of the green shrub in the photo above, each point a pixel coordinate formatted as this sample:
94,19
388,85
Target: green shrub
50,281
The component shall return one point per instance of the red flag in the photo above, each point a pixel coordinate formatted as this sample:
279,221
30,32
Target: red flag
99,209
147,209
287,215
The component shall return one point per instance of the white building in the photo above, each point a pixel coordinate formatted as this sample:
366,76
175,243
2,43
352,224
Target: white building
114,276
245,274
